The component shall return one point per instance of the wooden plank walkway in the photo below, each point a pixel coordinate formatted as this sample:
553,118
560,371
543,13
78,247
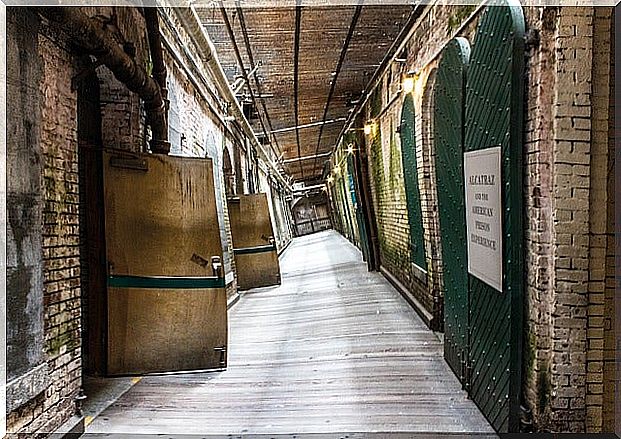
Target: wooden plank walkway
335,349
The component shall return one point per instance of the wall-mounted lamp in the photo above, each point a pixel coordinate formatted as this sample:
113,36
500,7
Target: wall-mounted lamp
330,179
350,148
407,85
368,129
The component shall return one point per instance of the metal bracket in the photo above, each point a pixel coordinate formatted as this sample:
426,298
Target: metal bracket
222,350
129,163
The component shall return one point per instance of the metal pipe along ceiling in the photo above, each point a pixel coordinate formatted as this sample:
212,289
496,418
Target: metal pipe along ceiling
296,59
88,34
192,24
339,65
242,23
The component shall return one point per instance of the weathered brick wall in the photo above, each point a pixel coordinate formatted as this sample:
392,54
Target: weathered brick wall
600,356
569,205
436,26
610,400
568,197
539,234
60,247
426,158
389,198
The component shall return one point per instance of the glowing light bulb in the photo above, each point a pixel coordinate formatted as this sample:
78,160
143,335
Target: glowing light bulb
408,84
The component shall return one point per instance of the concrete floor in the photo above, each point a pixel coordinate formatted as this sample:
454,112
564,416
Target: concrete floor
334,350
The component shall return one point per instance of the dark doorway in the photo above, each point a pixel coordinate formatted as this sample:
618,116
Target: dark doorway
91,214
361,168
229,173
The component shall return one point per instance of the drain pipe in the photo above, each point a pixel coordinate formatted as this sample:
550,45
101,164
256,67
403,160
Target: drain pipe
191,22
88,34
159,71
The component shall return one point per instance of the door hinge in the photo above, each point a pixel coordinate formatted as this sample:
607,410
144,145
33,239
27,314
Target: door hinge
467,377
222,350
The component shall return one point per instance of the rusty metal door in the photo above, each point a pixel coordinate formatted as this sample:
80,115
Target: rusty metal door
166,296
256,256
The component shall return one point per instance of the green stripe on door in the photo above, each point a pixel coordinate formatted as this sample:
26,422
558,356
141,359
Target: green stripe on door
166,282
256,249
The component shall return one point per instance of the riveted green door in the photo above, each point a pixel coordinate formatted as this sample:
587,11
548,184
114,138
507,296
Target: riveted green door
410,175
493,125
448,139
354,191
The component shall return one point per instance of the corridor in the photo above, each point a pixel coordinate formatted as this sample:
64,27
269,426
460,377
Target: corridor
334,349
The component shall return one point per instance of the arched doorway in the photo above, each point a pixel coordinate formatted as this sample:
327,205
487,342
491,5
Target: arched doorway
229,174
410,174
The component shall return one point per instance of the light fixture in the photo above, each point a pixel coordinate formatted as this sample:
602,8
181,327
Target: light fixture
408,84
337,169
350,148
368,128
330,179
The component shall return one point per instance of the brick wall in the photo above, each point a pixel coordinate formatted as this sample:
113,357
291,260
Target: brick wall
60,246
49,73
600,356
436,26
568,198
539,234
569,204
429,195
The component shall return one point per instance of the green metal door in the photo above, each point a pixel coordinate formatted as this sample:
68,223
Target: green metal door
448,138
410,174
493,118
354,190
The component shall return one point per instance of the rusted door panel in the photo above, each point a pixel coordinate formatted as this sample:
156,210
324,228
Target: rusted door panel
166,301
256,256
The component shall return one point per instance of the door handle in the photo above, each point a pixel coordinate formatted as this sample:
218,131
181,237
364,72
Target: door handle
216,266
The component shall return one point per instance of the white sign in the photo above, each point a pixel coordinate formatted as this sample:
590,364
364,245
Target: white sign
483,182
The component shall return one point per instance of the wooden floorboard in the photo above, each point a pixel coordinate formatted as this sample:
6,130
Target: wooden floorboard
334,349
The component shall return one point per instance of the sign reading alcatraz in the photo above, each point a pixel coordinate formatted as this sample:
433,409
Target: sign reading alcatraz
484,214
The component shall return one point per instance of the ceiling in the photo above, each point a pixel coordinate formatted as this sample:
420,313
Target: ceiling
313,62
